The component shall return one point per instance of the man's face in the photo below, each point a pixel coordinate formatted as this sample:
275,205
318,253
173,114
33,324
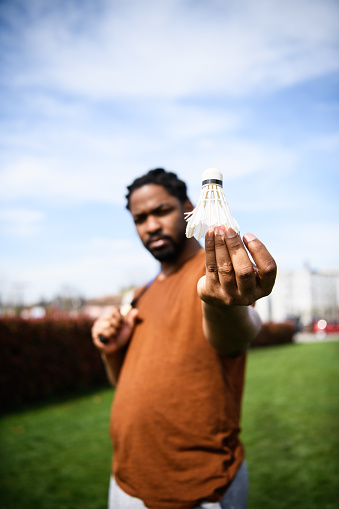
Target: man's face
159,220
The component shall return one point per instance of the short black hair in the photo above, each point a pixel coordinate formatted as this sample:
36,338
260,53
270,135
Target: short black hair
167,179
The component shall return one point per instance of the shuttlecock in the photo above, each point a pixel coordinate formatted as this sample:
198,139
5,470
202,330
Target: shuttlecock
212,209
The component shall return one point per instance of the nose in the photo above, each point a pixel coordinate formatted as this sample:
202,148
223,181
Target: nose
152,224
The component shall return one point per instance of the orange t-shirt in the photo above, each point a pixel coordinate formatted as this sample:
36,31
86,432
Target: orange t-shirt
176,410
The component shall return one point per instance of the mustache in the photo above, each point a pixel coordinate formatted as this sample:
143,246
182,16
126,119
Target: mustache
156,236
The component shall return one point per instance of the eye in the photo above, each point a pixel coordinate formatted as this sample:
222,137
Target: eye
163,211
139,219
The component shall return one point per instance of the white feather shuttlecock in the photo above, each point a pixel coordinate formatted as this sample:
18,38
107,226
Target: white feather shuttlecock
212,209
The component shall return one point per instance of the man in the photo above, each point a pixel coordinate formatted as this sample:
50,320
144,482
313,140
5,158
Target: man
178,359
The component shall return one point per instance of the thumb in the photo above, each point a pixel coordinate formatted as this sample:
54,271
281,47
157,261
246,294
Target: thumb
132,316
201,286
127,327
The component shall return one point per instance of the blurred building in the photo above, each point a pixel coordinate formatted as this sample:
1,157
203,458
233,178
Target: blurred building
303,295
97,307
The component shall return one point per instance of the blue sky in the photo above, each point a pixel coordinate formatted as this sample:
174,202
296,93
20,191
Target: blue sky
97,92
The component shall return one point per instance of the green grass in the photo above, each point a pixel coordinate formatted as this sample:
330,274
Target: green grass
58,456
291,426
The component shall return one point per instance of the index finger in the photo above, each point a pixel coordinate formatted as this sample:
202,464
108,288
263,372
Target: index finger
266,265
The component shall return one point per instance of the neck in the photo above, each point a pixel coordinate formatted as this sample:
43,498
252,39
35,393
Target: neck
190,249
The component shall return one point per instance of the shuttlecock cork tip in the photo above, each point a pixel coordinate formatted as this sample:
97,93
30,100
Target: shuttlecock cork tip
212,174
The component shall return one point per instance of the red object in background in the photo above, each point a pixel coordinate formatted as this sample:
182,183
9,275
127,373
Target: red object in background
323,326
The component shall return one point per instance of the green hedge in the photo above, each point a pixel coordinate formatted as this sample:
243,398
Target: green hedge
56,356
274,334
44,358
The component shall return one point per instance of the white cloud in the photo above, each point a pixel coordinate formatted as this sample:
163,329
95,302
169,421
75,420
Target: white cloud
105,267
175,49
153,54
97,92
61,180
326,143
21,222
316,244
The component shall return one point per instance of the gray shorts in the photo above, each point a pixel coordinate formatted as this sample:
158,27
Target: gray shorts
235,497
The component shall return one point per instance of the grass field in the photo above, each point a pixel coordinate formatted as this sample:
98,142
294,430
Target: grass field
291,426
58,456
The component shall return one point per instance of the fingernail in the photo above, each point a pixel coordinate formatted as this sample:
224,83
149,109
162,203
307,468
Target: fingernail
249,237
209,235
230,233
219,230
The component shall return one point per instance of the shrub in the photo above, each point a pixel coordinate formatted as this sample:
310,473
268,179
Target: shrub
274,334
43,358
56,356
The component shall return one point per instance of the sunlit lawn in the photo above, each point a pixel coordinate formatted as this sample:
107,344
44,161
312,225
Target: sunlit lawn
58,456
291,426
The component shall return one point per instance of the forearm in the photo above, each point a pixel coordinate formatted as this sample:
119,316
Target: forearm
230,329
113,364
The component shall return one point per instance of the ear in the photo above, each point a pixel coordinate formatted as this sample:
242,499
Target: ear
188,207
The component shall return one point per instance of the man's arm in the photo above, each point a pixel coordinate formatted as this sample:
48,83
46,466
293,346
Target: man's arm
113,364
231,286
115,332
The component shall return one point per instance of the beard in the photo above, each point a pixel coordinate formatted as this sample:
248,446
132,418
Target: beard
168,253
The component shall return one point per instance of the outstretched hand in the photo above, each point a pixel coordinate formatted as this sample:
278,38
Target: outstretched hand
231,278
